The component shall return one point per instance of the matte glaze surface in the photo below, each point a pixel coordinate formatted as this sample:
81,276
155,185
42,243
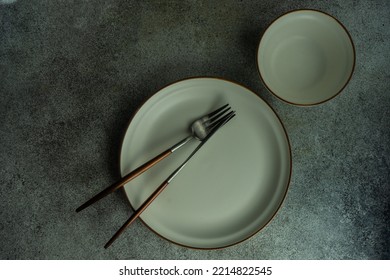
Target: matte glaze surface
306,57
232,187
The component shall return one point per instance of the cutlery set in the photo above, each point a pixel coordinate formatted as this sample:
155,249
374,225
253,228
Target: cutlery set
201,129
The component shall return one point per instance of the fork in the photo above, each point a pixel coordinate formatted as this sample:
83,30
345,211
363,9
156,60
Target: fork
167,181
200,128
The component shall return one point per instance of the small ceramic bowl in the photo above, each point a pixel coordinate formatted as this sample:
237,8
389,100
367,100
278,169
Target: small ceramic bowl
306,57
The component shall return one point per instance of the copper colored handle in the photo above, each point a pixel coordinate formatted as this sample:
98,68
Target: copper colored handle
138,212
125,179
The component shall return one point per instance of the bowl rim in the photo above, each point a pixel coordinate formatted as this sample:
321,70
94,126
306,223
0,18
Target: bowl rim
297,103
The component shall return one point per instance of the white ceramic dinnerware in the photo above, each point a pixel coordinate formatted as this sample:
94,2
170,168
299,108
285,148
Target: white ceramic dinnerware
231,188
306,57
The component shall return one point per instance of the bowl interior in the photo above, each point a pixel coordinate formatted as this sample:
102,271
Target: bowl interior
306,57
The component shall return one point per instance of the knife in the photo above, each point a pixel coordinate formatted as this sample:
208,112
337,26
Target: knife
150,199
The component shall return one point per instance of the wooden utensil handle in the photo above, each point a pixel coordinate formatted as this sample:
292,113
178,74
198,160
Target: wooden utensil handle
138,212
126,179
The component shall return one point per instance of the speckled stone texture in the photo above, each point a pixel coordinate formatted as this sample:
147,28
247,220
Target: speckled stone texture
72,73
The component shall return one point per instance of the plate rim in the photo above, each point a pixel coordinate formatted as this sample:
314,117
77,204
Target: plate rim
289,154
297,103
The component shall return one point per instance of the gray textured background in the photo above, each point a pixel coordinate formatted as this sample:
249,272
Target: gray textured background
72,73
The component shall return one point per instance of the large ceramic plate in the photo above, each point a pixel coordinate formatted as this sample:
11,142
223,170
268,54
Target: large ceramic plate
231,188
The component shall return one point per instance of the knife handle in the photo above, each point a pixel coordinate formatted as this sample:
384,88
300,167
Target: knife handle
138,212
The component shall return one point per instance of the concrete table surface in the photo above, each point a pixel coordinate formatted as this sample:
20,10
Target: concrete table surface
72,73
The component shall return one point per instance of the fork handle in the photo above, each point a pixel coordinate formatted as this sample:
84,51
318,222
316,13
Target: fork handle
126,179
138,212
135,173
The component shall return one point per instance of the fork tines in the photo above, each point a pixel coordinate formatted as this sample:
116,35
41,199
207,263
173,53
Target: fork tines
210,115
220,115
